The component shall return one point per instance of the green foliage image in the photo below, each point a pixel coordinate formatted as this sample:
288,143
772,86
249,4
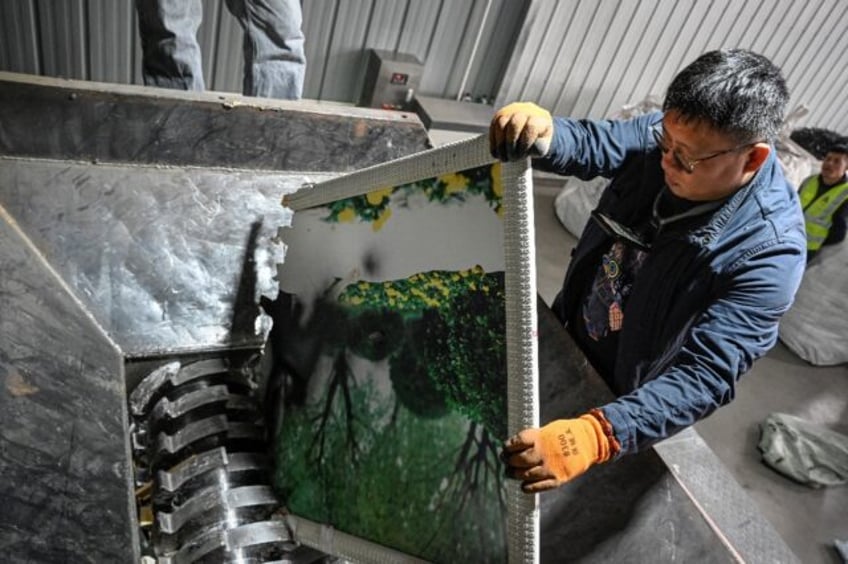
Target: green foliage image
446,189
397,439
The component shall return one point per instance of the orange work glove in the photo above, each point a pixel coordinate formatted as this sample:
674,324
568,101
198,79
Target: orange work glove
520,130
546,458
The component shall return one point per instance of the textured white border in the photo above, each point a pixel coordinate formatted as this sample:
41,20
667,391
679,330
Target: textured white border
522,348
339,543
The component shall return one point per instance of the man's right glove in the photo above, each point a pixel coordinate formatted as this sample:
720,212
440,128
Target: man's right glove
560,451
520,130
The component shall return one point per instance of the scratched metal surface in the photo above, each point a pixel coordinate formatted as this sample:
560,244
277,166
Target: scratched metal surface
132,195
165,259
64,470
83,121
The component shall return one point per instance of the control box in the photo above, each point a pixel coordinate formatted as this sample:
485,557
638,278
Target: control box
391,80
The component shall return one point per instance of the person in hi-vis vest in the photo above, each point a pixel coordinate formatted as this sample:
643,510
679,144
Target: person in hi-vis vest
824,198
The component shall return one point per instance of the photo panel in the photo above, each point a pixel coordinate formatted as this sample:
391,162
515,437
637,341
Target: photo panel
410,356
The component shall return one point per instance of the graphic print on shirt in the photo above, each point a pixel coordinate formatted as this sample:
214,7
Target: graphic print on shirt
603,309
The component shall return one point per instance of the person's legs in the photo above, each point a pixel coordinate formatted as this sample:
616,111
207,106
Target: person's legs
171,54
274,60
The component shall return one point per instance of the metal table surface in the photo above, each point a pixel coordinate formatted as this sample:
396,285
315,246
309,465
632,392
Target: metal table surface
673,503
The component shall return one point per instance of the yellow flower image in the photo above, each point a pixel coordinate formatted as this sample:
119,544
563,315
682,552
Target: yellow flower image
381,219
497,184
346,215
454,183
376,197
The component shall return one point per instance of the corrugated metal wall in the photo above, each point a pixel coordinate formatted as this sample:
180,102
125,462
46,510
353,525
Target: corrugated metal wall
578,57
440,33
98,40
587,58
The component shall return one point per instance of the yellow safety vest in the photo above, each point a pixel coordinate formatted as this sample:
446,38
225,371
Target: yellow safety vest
818,212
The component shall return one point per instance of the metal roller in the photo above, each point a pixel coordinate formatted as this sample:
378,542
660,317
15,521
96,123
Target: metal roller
202,475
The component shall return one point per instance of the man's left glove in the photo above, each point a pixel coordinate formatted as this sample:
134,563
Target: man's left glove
546,458
520,130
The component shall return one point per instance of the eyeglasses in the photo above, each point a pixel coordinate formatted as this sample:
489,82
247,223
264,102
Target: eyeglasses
688,165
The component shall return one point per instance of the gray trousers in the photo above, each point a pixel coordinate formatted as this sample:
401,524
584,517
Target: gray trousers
274,60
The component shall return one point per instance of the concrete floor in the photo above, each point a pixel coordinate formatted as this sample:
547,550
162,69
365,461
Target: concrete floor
807,519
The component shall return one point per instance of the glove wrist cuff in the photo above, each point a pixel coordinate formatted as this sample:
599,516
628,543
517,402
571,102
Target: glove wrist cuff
606,434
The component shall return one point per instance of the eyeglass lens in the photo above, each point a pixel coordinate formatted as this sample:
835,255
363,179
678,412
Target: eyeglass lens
680,161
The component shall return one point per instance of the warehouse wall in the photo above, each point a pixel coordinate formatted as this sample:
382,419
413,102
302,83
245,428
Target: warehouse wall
587,58
578,57
98,40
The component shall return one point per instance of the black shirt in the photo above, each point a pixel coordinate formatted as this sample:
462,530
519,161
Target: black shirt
598,321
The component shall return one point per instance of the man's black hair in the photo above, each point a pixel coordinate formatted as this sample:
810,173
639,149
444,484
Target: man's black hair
841,148
735,91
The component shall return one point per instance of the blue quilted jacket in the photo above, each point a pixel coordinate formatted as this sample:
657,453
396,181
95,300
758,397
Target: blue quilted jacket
707,301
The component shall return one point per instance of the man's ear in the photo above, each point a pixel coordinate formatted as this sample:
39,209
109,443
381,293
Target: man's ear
757,155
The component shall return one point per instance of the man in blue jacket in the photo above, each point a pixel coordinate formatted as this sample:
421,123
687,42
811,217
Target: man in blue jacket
694,252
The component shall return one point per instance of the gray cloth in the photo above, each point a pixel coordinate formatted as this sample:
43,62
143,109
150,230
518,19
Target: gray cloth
576,200
806,452
274,59
816,326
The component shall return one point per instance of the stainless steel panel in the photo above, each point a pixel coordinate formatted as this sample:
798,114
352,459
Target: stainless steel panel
65,492
174,244
63,352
